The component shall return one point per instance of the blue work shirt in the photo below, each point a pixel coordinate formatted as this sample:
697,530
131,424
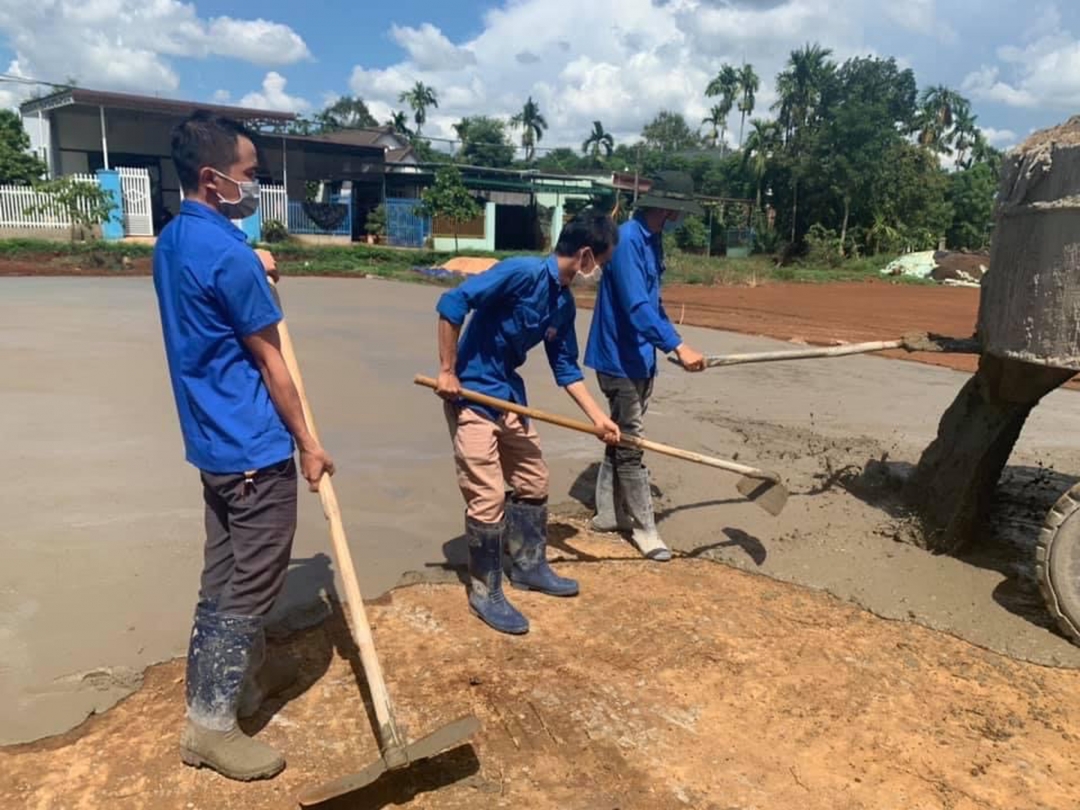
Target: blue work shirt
629,322
212,293
516,304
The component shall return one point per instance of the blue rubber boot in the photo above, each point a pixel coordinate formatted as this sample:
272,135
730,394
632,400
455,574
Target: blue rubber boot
220,656
527,542
486,597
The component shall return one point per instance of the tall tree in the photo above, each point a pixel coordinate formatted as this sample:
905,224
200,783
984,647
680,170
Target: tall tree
17,165
801,87
598,140
669,132
716,119
348,112
763,142
965,133
399,122
484,142
940,108
420,99
725,86
749,83
532,125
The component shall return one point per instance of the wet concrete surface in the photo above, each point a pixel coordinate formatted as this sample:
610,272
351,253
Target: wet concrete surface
102,540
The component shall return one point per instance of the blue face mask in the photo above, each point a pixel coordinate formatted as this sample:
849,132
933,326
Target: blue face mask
671,225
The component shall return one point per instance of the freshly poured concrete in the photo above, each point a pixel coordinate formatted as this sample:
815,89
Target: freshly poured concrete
102,536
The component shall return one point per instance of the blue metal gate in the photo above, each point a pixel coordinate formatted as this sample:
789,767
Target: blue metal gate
404,227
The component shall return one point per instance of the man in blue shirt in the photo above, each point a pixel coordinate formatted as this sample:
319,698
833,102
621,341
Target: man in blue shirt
240,415
516,304
629,324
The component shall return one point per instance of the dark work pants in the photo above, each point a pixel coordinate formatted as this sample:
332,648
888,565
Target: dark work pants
250,524
628,401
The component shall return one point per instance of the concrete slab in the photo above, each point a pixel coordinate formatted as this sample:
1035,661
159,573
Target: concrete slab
102,538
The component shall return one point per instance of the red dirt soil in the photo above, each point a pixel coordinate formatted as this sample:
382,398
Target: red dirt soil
827,314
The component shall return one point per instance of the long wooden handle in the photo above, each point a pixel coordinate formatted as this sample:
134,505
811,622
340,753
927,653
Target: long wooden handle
718,361
584,427
392,742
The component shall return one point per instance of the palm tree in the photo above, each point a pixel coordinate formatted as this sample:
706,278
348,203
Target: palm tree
717,119
399,122
748,86
420,98
965,133
800,86
532,125
940,108
763,142
598,139
724,85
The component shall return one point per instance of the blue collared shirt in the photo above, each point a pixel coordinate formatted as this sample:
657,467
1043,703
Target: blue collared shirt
516,304
629,322
212,293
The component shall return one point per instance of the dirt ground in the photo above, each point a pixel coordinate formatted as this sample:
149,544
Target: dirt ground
685,685
694,684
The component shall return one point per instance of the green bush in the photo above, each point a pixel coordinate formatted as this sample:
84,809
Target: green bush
274,232
692,235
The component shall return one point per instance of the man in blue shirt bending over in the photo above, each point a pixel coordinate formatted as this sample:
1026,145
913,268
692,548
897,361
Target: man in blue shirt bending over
516,304
629,324
239,414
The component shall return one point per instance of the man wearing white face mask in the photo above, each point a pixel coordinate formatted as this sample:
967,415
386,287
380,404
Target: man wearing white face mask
241,419
629,324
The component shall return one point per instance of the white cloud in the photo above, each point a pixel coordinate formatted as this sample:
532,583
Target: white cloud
999,138
273,96
920,16
429,49
257,41
1042,71
639,57
222,96
126,44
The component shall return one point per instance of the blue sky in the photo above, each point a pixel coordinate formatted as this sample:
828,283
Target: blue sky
620,61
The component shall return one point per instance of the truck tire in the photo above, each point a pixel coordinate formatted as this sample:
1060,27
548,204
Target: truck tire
1057,563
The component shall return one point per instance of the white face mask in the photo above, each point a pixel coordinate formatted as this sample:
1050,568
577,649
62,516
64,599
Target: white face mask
594,273
246,204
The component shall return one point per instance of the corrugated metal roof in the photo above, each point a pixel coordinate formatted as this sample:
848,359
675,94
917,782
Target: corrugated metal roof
154,104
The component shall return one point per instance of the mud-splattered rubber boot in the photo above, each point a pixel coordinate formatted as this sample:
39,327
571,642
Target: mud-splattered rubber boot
610,515
267,677
634,482
219,657
486,597
527,543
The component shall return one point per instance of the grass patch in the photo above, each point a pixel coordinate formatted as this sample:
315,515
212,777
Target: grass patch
296,259
687,268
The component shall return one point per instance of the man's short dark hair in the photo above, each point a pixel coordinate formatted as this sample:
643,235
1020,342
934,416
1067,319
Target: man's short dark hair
205,139
592,229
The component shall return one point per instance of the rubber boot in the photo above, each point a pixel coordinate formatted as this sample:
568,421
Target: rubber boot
486,597
527,542
219,657
610,514
635,487
266,678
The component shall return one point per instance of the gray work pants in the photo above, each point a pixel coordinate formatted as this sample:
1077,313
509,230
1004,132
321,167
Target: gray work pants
628,401
250,525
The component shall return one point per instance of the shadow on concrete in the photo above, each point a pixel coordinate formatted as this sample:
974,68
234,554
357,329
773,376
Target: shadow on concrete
309,633
737,538
401,787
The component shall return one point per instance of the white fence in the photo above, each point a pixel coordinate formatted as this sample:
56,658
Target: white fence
274,204
15,202
135,186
